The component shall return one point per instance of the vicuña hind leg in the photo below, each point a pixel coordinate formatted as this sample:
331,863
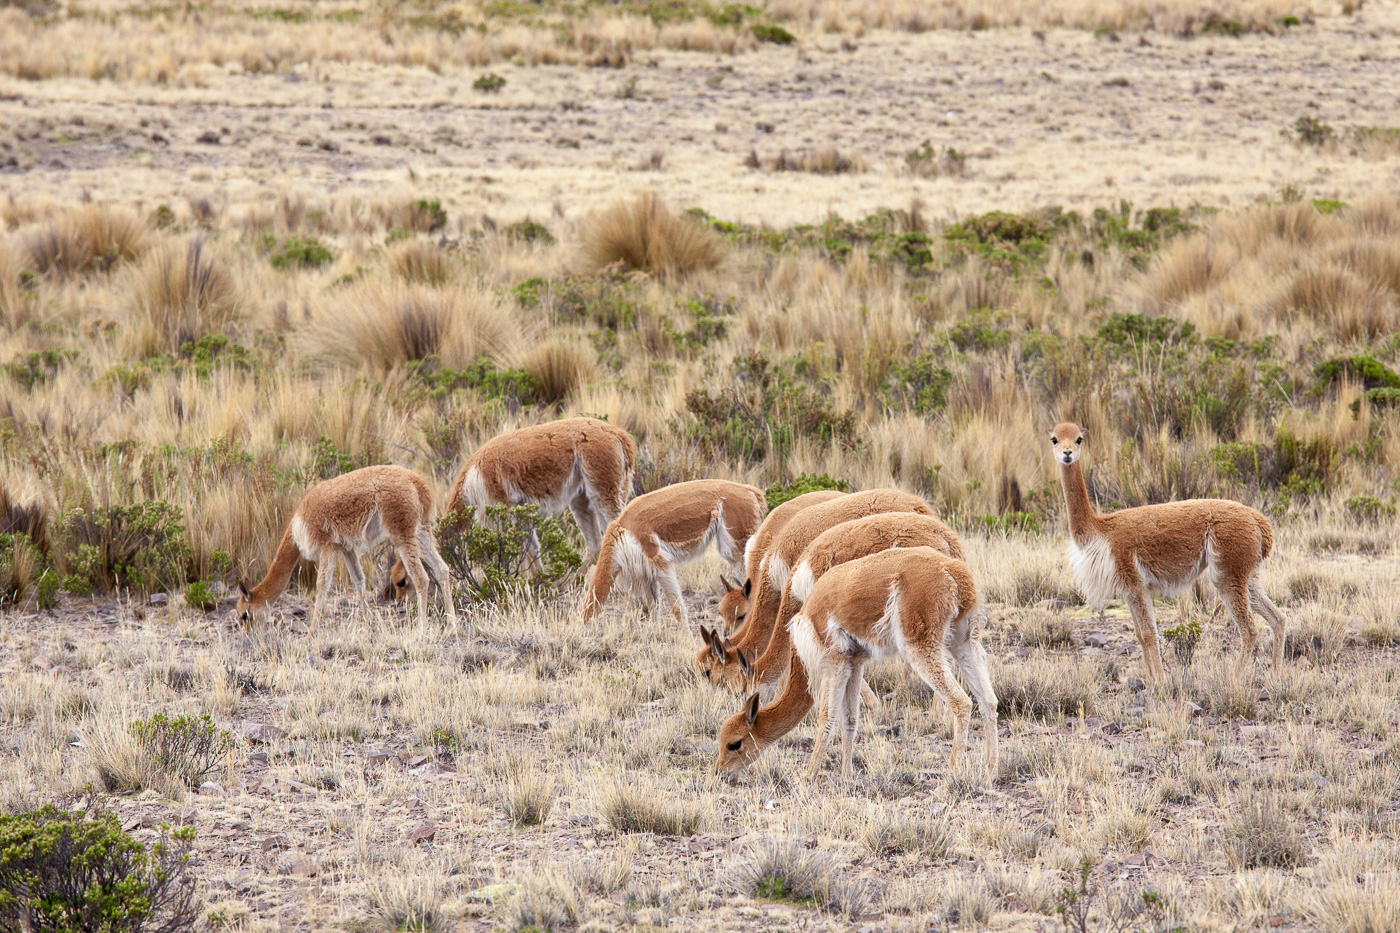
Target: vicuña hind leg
1235,595
931,663
850,716
1260,602
1145,625
413,565
668,587
325,573
357,577
587,523
442,576
831,692
972,661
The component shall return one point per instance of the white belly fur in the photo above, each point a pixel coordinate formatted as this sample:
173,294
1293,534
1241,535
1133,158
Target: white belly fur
1094,571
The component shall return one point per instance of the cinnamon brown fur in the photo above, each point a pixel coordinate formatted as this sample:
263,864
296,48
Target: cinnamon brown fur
341,518
1133,554
661,530
722,659
580,464
916,603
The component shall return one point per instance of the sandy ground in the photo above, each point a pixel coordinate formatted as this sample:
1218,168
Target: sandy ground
1066,118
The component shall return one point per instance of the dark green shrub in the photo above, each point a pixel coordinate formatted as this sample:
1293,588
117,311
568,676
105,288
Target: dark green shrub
491,555
778,493
301,252
489,83
163,217
139,547
80,873
515,386
37,367
1219,26
775,34
1288,22
1369,508
1310,131
48,589
1009,240
528,231
1376,398
1134,330
922,383
200,595
185,748
1184,638
980,331
1372,372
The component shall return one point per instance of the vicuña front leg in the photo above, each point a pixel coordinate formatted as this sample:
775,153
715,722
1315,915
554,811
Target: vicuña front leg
932,665
850,716
325,573
1261,603
1145,625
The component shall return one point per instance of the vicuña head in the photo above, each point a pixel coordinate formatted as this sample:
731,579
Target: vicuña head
1066,440
734,604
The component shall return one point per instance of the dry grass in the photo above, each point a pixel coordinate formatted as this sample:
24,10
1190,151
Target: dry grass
420,262
181,293
89,239
646,234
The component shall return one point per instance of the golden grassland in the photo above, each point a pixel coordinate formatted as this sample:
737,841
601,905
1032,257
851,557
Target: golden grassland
191,344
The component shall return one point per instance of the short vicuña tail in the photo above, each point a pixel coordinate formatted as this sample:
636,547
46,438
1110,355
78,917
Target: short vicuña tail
1266,534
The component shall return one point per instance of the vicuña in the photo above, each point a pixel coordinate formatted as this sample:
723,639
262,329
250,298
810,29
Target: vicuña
720,660
1135,554
845,542
341,519
734,603
662,530
580,464
915,603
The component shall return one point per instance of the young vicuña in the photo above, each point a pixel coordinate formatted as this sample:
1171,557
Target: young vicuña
580,464
845,542
720,659
672,526
734,604
915,603
341,519
1134,554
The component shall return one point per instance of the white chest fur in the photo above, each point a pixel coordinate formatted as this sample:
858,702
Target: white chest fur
1094,570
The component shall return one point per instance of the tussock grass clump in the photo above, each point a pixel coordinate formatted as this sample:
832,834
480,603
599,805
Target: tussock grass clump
527,797
550,899
91,238
180,293
1039,689
1041,629
559,369
646,234
631,808
824,160
420,262
411,898
783,870
382,326
1262,835
160,753
892,834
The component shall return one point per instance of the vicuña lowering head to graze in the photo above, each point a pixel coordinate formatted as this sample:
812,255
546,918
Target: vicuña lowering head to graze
580,464
664,529
845,542
734,604
916,603
342,518
722,659
1134,554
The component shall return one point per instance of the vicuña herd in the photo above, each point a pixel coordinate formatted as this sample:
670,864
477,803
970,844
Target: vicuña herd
822,584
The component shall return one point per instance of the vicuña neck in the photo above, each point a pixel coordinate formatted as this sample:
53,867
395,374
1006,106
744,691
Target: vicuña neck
1083,523
280,573
784,714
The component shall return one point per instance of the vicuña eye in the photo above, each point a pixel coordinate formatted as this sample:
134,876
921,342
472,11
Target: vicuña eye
734,746
739,617
1054,440
402,583
1079,440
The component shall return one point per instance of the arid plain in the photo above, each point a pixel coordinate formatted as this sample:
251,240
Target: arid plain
245,248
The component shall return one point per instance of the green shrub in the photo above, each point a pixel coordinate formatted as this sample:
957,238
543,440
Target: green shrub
1372,373
163,217
184,748
980,331
1023,522
1376,398
79,872
138,547
1369,509
37,367
775,34
1219,26
48,585
200,595
1009,240
489,83
513,386
1183,638
528,231
303,253
1135,330
922,383
803,483
491,555
1310,131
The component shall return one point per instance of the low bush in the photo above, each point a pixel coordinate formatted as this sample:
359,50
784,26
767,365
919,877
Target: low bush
79,872
489,83
803,483
1037,689
301,253
137,547
491,554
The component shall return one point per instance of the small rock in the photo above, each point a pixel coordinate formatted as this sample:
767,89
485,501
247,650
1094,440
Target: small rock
275,842
583,819
1194,743
416,760
1112,728
1254,732
382,141
1188,709
208,138
258,758
212,789
381,756
1264,696
159,599
1136,684
262,733
1319,781
1054,604
423,832
1096,641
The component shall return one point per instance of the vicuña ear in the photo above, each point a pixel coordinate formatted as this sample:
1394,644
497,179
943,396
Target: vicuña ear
727,583
704,635
744,662
1083,433
748,588
752,709
716,647
243,589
